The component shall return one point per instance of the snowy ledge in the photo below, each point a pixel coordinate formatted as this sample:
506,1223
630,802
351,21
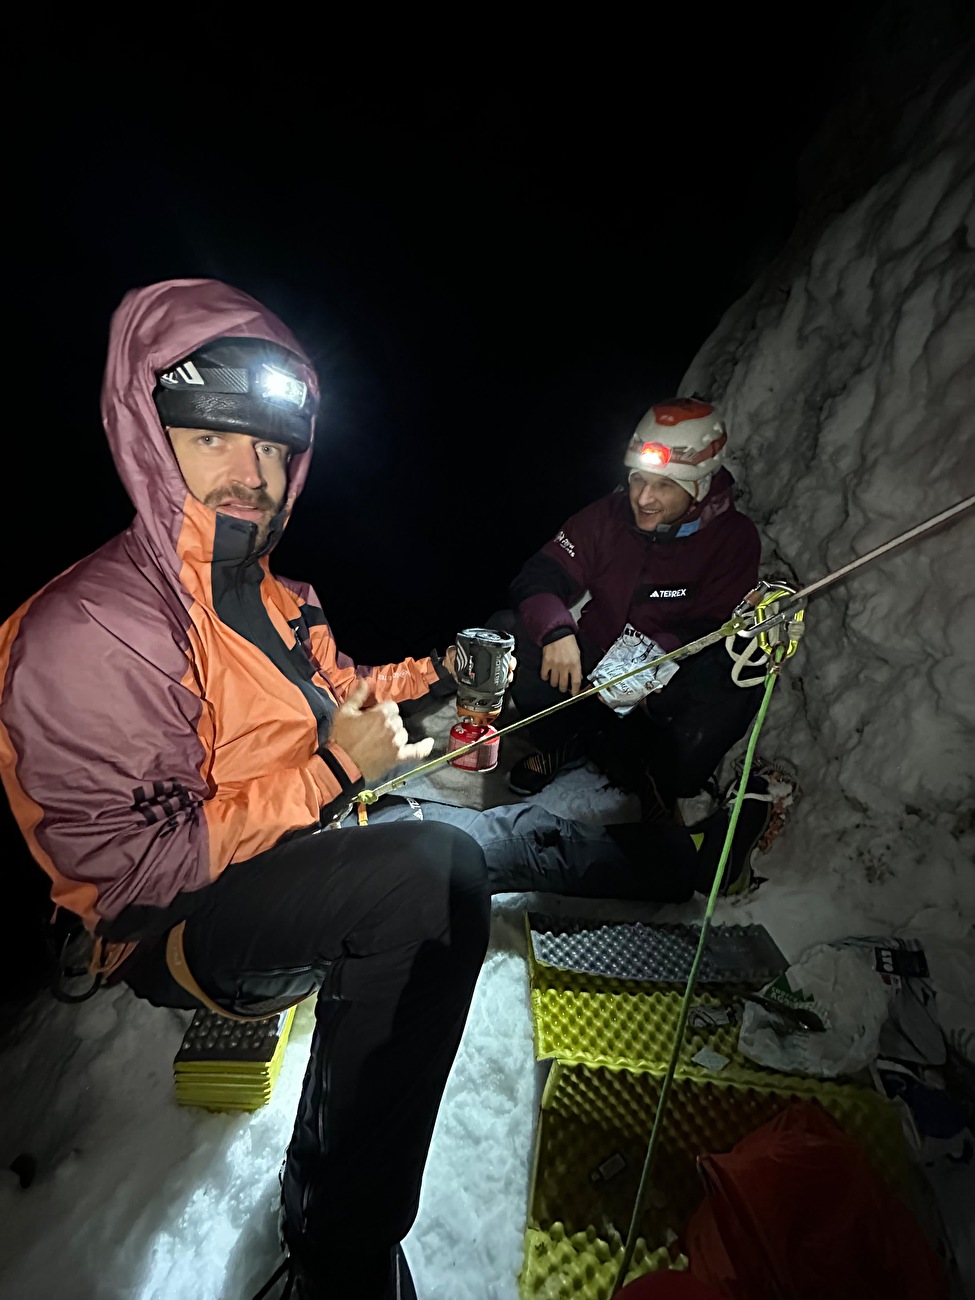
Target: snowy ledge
137,1197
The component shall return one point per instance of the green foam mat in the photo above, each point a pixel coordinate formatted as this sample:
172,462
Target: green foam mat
559,1265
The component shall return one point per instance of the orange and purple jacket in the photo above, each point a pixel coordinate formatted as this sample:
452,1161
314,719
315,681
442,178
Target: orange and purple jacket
165,704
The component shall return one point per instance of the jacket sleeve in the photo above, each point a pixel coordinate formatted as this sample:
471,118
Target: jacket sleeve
106,759
407,680
553,579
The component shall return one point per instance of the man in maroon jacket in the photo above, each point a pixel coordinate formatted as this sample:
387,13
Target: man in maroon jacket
669,557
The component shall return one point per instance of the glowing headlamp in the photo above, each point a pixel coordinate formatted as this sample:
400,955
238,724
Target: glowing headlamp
278,386
654,453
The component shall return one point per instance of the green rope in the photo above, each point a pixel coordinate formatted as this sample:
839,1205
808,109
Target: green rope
685,1009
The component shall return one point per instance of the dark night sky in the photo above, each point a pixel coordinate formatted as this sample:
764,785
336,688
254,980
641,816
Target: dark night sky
496,272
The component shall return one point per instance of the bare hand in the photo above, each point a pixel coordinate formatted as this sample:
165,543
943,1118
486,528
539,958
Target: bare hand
375,738
562,664
450,663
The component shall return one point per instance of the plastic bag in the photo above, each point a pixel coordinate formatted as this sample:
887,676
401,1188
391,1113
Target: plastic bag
822,1017
630,649
795,1210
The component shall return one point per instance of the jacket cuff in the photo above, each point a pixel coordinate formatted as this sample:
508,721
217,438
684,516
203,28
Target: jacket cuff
338,784
557,634
441,683
543,614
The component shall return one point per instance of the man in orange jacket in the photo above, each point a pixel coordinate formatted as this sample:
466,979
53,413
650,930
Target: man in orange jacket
181,742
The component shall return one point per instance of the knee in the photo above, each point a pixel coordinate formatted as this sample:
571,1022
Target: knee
449,880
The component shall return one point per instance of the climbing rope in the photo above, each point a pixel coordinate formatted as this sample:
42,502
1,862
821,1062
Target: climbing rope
813,588
772,617
779,656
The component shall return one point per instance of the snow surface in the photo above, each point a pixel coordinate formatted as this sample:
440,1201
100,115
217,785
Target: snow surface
846,375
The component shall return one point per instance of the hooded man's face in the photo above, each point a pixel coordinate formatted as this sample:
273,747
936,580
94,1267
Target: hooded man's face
234,474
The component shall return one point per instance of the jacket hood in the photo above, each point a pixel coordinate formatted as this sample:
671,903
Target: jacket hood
153,329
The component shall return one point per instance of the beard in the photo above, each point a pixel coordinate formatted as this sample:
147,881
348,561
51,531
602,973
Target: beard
254,499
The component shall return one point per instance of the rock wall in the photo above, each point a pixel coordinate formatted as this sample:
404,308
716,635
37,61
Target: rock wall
847,377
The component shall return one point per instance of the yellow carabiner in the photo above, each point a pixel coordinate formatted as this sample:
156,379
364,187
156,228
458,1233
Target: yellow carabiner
784,634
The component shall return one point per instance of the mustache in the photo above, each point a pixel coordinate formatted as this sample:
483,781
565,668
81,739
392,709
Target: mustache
255,499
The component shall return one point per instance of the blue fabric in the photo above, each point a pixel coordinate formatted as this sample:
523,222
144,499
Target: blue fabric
528,849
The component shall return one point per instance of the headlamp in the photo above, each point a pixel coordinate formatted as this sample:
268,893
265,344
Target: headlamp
278,386
654,453
245,385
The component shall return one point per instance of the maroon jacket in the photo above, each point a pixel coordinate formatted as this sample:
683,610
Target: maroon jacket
674,586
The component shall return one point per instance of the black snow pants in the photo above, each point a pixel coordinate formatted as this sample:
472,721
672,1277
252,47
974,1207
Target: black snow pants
679,734
390,922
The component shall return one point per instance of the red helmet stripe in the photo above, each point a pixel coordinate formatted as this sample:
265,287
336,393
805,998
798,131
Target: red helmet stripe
698,457
711,450
681,408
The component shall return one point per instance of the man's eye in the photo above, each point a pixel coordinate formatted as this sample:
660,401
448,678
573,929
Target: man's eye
207,440
269,449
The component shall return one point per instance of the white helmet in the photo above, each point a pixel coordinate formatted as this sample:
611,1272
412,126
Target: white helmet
683,439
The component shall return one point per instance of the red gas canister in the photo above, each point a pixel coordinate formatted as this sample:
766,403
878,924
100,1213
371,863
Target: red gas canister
482,759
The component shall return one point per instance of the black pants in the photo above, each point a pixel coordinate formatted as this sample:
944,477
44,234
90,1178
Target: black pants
679,734
390,921
392,924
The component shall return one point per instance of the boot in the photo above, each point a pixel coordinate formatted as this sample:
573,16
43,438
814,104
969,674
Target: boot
753,823
299,1285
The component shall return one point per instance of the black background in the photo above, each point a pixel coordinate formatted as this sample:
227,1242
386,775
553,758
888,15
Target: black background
496,270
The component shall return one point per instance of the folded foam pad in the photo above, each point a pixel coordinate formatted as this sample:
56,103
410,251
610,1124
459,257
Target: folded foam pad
229,1064
735,954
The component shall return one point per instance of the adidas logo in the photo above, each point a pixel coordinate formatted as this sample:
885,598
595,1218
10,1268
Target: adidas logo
667,592
187,373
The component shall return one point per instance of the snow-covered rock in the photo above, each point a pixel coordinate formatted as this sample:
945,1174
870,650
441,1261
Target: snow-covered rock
847,375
